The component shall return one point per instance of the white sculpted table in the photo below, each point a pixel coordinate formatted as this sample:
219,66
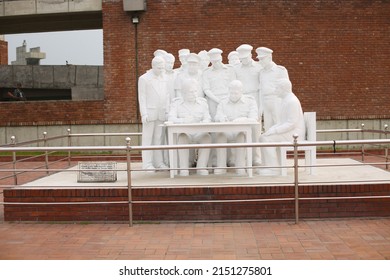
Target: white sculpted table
173,130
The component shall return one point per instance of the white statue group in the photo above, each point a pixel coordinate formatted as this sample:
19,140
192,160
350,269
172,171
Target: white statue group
204,89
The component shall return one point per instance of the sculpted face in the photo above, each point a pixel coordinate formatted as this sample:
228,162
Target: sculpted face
158,66
265,61
189,92
235,92
246,60
193,67
169,62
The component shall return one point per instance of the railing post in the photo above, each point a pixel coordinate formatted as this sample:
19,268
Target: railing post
128,154
13,142
46,153
387,147
69,145
362,127
296,182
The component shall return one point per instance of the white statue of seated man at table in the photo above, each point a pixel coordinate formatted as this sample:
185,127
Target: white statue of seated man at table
291,122
191,109
237,107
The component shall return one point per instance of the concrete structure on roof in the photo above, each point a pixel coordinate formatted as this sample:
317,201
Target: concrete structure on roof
28,58
44,16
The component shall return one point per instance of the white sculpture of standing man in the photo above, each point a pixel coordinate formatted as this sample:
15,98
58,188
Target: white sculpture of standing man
183,53
291,122
234,108
204,60
191,109
216,80
248,72
170,74
269,74
192,72
153,100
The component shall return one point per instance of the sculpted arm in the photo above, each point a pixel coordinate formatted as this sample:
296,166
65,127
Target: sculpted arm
220,116
142,99
293,117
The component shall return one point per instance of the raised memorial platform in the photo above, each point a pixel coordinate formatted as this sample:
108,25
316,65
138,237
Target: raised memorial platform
191,193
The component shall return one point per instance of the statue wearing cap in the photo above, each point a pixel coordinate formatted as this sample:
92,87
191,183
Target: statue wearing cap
191,72
216,80
233,58
204,60
248,72
183,53
270,73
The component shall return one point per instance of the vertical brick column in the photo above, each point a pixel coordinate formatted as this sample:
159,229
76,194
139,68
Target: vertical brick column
3,52
119,64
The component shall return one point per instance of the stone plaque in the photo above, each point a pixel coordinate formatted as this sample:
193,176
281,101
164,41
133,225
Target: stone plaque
97,171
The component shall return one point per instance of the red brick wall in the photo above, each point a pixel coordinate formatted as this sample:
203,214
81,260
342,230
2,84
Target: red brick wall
326,208
3,52
52,113
337,52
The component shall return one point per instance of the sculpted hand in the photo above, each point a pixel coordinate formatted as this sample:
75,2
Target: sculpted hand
270,131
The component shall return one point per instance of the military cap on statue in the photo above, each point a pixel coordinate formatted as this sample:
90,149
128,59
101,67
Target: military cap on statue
263,51
215,54
244,50
159,53
193,57
184,52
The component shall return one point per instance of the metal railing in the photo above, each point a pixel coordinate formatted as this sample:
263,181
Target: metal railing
128,150
45,141
385,133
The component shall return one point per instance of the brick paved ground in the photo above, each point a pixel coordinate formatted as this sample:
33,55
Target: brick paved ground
326,239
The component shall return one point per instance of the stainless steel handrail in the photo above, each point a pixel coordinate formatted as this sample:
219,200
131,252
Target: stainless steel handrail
128,149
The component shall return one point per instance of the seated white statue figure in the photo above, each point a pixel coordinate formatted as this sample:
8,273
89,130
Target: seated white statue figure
237,107
191,109
291,122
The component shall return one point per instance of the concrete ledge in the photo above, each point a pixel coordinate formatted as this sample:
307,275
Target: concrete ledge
31,7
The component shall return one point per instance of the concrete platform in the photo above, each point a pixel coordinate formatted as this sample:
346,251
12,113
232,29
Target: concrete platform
330,171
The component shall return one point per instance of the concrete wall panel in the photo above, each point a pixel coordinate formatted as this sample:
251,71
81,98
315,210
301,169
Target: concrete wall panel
52,6
19,7
85,5
64,76
6,76
43,77
24,75
1,8
87,76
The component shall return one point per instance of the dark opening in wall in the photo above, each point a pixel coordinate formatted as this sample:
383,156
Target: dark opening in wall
34,94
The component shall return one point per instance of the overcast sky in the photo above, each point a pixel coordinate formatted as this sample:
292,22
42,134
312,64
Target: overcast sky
76,47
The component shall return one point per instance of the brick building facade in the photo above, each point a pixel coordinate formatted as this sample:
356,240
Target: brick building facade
337,54
3,52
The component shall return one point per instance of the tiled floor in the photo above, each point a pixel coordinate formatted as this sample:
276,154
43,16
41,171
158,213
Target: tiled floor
326,240
348,239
